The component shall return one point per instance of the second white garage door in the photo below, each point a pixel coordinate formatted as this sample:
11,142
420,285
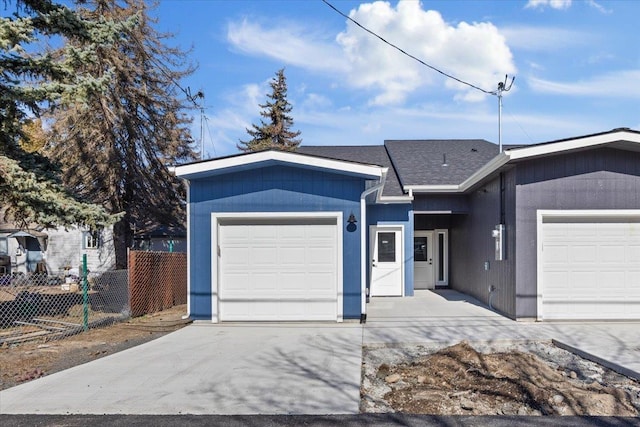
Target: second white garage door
590,267
278,269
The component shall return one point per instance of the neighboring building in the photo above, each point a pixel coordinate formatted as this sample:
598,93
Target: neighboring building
161,238
56,250
544,231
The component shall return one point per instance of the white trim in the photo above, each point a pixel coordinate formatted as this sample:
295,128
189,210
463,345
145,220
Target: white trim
494,164
541,214
363,247
215,223
193,169
573,144
528,152
188,250
445,264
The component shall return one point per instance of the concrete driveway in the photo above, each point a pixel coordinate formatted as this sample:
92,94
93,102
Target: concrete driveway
208,369
292,368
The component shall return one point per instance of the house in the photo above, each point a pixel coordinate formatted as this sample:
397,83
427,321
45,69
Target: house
161,238
543,231
34,249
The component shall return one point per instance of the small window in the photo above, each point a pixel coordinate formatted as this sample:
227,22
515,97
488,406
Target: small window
91,240
4,246
387,247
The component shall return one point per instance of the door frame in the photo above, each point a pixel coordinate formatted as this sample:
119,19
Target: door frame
219,217
430,234
445,255
372,236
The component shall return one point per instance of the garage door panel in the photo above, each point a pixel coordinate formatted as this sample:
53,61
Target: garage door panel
274,270
590,268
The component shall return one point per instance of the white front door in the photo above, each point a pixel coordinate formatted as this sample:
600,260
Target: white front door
423,257
386,261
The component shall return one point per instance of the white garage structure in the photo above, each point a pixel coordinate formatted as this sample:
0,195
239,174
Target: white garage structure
588,264
277,266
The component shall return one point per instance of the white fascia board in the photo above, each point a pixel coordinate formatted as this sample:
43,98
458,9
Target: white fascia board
394,199
493,165
201,168
573,144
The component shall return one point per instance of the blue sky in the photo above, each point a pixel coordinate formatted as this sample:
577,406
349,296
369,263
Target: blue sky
576,63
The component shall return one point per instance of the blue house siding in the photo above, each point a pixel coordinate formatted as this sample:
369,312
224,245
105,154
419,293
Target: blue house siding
272,189
396,214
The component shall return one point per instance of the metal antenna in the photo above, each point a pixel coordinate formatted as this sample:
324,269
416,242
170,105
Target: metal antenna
192,98
502,87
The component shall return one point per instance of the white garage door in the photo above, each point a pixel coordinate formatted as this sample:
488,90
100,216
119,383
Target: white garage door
278,270
591,268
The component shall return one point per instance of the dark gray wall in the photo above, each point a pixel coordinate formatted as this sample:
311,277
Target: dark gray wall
596,179
441,202
472,245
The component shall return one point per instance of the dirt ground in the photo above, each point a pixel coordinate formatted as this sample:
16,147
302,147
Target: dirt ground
534,378
34,359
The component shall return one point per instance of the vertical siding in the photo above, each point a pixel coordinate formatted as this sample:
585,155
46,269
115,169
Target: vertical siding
272,189
472,245
394,214
596,179
441,202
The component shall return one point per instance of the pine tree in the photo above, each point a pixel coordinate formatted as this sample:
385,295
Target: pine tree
276,133
30,190
115,148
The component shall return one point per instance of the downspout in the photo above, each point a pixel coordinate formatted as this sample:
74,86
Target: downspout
363,248
187,188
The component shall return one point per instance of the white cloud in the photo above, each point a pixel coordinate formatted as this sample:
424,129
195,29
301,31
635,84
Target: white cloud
599,7
554,4
291,44
476,53
617,84
544,39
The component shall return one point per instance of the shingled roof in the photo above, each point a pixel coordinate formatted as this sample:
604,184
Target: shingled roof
438,162
368,154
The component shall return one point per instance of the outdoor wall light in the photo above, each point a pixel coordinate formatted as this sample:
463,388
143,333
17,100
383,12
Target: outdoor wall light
352,219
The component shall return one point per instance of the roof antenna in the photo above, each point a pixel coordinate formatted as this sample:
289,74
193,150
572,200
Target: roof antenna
502,87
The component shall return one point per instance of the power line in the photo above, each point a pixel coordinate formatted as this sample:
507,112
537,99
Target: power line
494,92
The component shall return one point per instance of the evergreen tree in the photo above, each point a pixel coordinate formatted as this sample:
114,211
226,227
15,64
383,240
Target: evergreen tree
276,132
30,189
115,148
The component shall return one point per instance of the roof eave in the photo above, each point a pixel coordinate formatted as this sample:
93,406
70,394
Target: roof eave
215,166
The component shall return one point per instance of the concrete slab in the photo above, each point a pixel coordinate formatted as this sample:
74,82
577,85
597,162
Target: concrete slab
209,369
447,317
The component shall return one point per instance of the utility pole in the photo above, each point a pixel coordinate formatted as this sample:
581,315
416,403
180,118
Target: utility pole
502,87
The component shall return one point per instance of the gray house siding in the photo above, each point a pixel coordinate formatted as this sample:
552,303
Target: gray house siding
473,247
597,179
441,203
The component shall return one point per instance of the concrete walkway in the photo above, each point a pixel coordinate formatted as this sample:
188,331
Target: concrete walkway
291,368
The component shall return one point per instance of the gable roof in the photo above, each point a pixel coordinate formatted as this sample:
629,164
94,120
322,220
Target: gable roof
622,138
438,161
248,161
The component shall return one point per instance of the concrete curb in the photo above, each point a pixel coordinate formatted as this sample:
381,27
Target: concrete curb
592,357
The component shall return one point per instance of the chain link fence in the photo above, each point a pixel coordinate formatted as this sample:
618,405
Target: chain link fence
45,306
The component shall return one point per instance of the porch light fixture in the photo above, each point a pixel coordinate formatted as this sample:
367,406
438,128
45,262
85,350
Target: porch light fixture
352,219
